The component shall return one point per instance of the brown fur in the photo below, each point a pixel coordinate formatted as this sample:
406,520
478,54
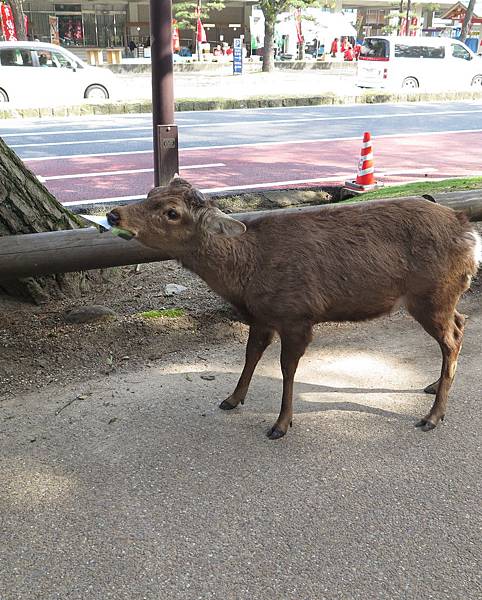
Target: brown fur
287,272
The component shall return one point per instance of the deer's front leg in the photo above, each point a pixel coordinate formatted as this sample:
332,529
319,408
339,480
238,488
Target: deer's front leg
294,341
260,337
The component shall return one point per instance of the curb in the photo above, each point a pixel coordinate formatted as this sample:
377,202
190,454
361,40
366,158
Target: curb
145,106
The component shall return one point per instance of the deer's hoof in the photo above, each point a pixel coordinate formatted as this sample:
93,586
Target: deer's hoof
425,425
225,405
432,388
275,434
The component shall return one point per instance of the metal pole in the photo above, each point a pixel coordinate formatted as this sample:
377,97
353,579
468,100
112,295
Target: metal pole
162,72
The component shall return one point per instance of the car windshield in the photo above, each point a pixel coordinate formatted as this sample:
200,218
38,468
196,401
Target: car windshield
15,57
375,49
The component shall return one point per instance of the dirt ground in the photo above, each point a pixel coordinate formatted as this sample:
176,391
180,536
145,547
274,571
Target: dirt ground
122,479
39,347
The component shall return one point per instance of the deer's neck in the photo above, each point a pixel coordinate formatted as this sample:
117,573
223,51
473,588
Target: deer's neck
225,263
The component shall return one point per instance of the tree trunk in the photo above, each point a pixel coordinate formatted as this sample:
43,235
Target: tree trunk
19,18
268,58
464,33
301,51
26,206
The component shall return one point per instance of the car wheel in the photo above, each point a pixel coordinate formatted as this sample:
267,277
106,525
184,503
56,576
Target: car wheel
477,81
96,92
3,96
410,83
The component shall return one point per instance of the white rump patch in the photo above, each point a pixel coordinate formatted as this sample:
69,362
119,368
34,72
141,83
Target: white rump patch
477,247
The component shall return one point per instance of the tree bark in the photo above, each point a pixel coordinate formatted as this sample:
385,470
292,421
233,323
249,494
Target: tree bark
19,18
464,32
26,206
268,58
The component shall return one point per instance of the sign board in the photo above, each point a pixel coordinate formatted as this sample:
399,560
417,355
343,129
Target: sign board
54,30
8,25
237,56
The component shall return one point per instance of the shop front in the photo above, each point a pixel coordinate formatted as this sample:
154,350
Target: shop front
82,24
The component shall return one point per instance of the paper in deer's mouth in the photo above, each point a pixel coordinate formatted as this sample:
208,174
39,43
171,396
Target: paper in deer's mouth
104,225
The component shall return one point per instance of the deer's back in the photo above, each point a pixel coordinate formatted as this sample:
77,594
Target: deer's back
352,262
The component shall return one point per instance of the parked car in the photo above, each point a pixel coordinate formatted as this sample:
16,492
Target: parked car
431,63
49,73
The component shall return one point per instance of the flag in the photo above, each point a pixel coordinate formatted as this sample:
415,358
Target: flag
201,34
176,46
8,25
299,35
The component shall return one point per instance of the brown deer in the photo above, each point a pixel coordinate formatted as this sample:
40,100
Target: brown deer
287,272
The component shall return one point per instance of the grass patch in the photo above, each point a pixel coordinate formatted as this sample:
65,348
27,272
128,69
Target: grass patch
170,313
419,188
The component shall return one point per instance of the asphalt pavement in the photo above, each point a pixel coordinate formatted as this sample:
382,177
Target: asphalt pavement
108,159
136,486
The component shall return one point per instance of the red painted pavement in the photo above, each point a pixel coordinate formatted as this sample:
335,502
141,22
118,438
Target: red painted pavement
440,155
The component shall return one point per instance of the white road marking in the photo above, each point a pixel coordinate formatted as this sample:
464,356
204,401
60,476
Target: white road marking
104,200
335,178
66,156
262,144
77,142
225,123
125,172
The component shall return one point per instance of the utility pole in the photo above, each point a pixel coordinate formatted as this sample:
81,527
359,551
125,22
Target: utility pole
409,6
164,131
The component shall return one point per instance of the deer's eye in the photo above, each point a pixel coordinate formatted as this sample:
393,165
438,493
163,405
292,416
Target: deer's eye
172,215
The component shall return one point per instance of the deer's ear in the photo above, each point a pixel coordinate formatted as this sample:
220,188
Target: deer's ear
176,180
215,221
154,191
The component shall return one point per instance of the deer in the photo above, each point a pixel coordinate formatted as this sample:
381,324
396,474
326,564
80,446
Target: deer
285,272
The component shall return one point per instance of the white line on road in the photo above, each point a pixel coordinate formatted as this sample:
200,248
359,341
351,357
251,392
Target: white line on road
125,172
77,142
66,156
226,123
262,144
247,186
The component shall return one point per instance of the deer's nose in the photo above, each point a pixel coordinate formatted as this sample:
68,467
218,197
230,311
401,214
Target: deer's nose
113,218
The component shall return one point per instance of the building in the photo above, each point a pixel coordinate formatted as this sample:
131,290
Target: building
94,23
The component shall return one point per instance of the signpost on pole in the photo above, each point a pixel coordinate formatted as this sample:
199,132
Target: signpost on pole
237,56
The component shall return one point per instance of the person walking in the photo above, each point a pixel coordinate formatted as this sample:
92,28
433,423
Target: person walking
334,47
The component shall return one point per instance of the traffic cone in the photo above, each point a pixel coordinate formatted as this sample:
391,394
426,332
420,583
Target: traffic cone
365,179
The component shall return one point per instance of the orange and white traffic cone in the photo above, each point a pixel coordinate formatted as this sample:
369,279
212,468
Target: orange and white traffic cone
365,179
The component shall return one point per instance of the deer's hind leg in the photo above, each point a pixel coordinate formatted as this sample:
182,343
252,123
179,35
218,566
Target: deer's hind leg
446,325
459,324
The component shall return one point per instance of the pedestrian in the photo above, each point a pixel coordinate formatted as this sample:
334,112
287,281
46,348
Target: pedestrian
349,55
132,47
334,47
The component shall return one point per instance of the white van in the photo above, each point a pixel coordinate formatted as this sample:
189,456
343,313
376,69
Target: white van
430,63
34,73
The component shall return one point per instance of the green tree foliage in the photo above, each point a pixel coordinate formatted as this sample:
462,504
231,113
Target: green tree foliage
271,9
185,12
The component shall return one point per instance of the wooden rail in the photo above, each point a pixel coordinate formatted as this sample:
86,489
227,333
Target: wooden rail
83,249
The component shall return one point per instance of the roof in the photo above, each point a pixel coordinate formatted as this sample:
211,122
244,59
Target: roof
459,9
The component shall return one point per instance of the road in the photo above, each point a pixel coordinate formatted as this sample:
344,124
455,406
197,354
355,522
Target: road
104,160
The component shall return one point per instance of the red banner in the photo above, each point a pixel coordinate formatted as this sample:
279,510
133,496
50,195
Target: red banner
299,34
201,34
176,46
8,25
